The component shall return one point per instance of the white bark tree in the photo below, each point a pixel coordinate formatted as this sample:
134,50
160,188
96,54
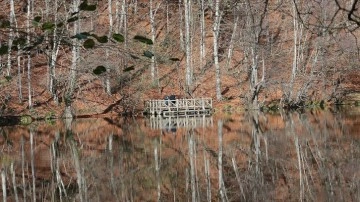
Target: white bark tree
28,20
11,36
202,34
216,31
188,71
75,55
231,44
153,68
108,71
53,56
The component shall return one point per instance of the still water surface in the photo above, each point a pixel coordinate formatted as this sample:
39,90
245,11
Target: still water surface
308,156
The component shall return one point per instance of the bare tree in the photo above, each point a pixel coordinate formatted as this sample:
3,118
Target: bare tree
28,20
255,20
202,34
188,71
216,31
74,62
11,36
108,72
153,68
54,51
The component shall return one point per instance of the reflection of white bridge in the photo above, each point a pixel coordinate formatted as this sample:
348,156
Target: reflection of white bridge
171,123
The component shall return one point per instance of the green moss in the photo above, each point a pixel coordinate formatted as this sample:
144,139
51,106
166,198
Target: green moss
26,120
357,103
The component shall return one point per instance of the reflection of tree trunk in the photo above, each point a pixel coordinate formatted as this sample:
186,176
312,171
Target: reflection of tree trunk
54,151
22,142
3,184
157,172
12,171
111,159
222,189
79,170
207,175
237,175
192,164
32,163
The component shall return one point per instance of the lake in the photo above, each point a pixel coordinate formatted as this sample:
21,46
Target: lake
312,155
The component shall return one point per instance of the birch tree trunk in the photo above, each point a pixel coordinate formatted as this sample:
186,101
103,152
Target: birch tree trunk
29,17
153,34
295,54
75,55
202,35
19,74
188,72
216,30
11,36
182,43
231,45
53,57
107,82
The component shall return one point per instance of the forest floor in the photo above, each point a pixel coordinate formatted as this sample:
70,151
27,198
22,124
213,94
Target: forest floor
92,100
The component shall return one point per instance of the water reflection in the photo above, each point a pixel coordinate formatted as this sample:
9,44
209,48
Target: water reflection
250,157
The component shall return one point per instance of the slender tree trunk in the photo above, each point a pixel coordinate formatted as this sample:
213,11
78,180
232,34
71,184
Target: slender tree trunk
222,190
216,30
108,72
154,72
182,43
53,58
295,54
188,73
29,17
231,45
11,36
1,65
192,158
202,35
123,15
153,37
75,55
19,76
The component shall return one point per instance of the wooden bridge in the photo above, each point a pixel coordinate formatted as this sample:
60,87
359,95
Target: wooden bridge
179,107
173,123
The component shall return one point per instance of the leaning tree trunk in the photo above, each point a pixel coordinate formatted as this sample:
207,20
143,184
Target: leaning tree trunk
231,45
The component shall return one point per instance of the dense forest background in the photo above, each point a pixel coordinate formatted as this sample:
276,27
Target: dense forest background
97,57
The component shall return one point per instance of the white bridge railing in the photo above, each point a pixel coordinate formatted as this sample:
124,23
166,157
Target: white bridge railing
178,106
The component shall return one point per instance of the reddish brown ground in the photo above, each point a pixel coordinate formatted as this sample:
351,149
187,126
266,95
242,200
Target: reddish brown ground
90,97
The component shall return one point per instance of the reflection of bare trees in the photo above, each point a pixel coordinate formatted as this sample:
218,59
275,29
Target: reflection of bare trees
298,156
